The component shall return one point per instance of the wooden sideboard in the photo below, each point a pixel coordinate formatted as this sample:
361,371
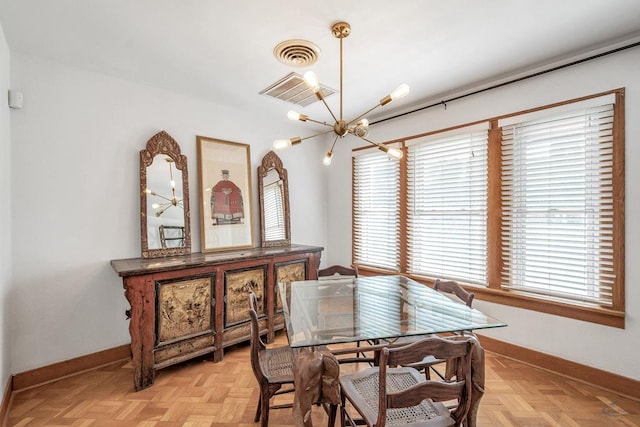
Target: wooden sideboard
191,305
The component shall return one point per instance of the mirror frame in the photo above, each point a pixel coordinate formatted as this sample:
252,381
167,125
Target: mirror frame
163,143
272,161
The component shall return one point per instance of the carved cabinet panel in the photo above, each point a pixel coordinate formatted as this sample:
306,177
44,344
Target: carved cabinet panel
192,305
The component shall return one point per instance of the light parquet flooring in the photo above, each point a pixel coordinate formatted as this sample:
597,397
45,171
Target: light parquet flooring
201,393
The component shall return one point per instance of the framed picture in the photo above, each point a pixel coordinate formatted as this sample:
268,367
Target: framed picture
225,195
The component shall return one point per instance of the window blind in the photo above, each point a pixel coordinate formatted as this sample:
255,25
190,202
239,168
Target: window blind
557,200
447,207
274,222
376,210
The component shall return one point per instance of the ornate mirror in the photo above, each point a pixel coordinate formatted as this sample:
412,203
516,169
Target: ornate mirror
164,198
273,192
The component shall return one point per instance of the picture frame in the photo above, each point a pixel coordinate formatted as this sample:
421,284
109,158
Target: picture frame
226,213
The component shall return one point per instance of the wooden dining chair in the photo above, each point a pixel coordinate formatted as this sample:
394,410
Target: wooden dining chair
346,354
387,394
336,272
429,363
272,367
453,287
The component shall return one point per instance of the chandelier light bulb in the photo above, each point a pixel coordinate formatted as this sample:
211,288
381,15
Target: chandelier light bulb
395,153
399,92
293,115
281,144
173,184
312,81
155,206
327,158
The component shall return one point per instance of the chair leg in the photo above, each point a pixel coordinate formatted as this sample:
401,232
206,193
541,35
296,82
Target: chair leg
264,404
258,412
332,415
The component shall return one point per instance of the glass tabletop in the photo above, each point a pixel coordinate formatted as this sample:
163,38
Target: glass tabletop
371,308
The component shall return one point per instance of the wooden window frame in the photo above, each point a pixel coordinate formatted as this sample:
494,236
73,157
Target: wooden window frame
614,316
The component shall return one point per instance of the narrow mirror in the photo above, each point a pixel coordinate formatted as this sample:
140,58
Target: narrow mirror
273,192
164,198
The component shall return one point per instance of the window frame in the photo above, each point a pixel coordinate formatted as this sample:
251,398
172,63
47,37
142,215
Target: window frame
493,292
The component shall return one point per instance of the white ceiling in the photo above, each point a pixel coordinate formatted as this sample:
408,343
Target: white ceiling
222,50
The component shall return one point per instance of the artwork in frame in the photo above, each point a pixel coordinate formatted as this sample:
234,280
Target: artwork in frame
225,195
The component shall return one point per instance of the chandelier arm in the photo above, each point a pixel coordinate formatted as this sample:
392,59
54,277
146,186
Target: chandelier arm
153,193
321,96
377,144
317,134
334,143
163,210
363,114
390,151
340,78
318,121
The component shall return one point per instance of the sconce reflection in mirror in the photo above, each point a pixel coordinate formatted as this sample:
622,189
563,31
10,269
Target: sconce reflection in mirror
167,201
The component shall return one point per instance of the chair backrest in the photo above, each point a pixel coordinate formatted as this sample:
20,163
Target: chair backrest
257,344
459,350
336,271
453,287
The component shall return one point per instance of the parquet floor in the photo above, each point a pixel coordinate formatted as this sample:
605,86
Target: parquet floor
202,393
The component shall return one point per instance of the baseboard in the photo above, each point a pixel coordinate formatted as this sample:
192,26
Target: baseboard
70,367
6,400
597,377
617,383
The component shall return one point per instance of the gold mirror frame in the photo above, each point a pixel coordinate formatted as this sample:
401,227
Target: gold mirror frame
271,162
163,144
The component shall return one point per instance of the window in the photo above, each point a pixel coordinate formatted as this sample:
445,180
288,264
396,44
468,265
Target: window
527,209
557,205
447,206
376,210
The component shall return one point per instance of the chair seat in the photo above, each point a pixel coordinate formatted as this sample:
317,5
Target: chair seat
361,389
277,364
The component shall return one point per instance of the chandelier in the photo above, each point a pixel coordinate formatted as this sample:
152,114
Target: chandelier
359,126
167,201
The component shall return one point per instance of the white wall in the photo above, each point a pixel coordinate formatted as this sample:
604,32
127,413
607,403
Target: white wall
582,342
5,215
74,169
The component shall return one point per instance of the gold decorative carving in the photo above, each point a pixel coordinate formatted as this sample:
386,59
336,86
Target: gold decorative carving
290,272
184,308
238,285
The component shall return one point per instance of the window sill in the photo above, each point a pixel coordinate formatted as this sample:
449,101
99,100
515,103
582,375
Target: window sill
598,315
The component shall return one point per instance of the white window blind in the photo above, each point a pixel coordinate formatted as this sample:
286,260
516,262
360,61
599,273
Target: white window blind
557,201
274,221
376,210
447,207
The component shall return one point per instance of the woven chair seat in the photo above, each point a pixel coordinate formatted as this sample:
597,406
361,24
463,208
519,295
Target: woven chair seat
362,390
277,364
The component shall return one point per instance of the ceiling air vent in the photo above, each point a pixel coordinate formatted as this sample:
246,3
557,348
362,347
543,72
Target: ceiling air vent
299,53
292,88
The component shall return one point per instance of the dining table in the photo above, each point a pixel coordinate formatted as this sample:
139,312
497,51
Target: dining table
371,310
